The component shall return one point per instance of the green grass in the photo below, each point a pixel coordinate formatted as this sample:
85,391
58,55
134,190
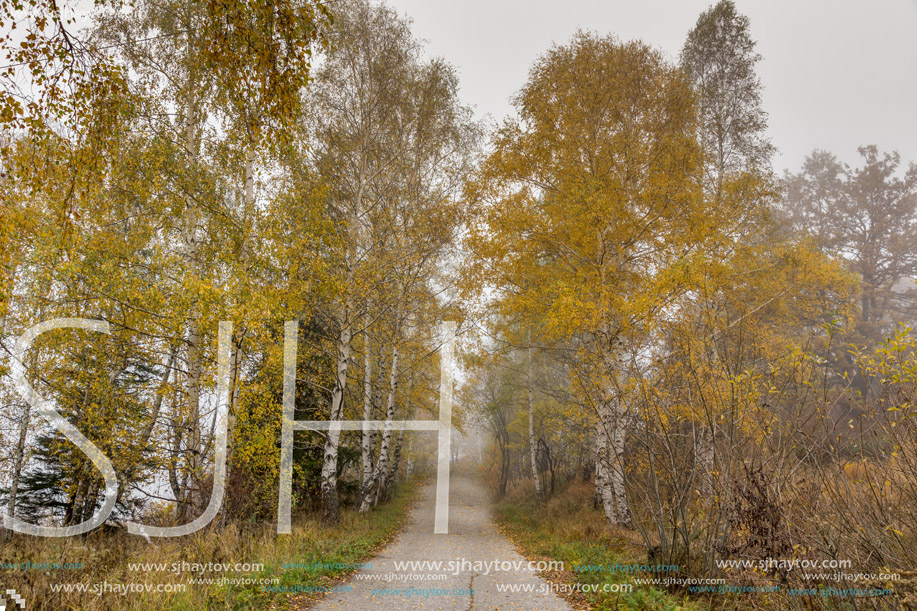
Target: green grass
355,540
105,558
567,528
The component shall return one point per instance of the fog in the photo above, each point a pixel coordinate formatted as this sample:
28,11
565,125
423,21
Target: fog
836,74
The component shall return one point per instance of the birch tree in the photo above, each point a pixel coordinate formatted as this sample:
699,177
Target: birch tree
390,139
142,215
533,448
592,215
719,58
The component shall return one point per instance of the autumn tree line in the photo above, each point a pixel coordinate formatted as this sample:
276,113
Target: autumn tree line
179,164
722,349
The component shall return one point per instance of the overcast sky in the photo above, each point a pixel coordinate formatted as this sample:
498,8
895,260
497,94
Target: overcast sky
837,73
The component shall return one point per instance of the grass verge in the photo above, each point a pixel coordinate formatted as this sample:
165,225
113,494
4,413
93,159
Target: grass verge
567,528
106,559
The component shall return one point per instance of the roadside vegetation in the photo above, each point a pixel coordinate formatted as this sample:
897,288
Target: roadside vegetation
314,556
568,528
724,354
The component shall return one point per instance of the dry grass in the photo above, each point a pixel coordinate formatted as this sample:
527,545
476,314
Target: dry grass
105,557
568,528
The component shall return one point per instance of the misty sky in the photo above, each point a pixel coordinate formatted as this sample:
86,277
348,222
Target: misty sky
837,73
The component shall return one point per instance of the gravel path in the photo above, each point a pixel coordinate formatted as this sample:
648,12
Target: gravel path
466,584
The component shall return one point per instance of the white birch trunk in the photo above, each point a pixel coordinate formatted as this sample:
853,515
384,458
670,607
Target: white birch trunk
533,448
147,431
18,459
236,361
399,446
235,374
610,444
194,356
367,440
373,491
330,501
603,491
195,494
412,415
616,439
705,458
